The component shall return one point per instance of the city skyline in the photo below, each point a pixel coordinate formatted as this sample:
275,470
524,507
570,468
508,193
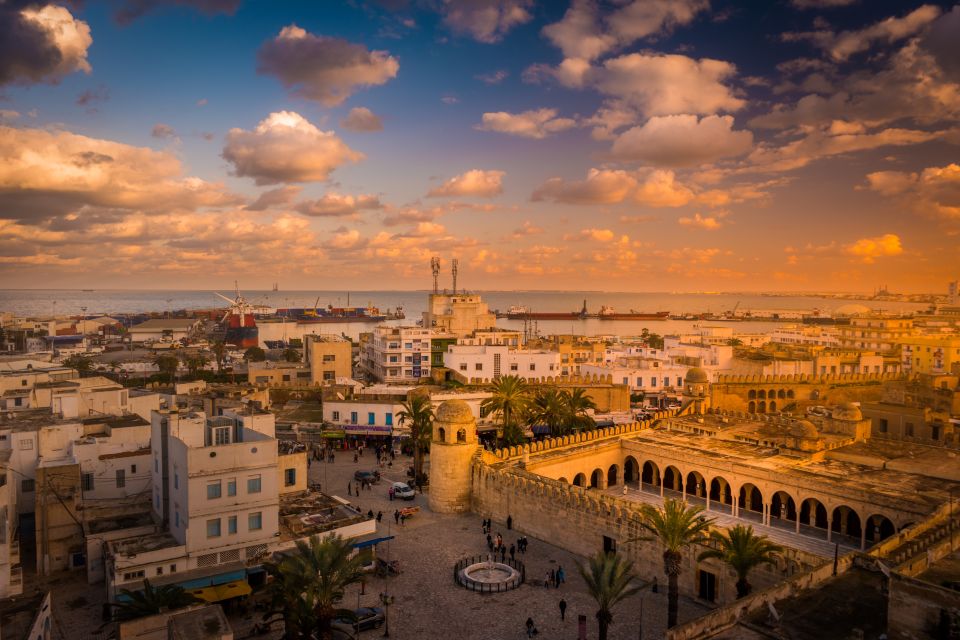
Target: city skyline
625,146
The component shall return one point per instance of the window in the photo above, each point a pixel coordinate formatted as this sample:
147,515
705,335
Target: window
336,416
176,480
329,375
87,482
159,571
478,366
133,575
26,485
133,468
371,418
213,528
26,444
353,417
533,367
653,382
255,521
213,490
883,425
253,484
329,358
121,478
221,435
231,525
289,477
176,519
173,568
463,366
232,487
909,432
513,366
388,418
935,432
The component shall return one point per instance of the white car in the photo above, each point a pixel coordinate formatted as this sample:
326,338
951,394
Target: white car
402,491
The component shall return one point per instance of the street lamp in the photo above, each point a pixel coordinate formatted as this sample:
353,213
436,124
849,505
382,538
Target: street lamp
386,588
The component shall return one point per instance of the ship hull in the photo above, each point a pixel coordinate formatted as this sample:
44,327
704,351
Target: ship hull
661,315
541,316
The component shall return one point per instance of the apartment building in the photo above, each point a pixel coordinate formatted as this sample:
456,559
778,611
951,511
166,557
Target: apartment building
479,364
396,354
934,353
329,357
880,333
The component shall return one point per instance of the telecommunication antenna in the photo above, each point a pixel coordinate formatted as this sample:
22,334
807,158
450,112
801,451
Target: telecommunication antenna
455,265
435,267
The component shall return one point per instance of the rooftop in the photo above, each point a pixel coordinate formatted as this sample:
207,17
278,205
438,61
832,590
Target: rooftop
161,324
142,544
306,513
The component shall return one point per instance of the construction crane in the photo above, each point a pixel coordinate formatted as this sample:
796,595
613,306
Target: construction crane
435,267
456,263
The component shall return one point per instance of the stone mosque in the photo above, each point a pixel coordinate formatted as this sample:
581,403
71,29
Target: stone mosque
817,486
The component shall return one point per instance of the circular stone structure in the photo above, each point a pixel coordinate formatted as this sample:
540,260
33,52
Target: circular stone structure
452,447
487,575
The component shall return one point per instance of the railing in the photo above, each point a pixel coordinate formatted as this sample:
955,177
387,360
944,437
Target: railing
484,587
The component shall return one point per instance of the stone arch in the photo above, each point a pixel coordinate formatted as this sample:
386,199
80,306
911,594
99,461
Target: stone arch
612,475
783,507
773,406
813,514
596,479
752,394
879,528
696,485
462,435
751,499
846,521
791,394
441,434
631,470
782,394
563,480
651,473
761,407
761,394
720,491
772,394
672,479
752,407
580,480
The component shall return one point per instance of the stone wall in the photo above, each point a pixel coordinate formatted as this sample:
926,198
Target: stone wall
735,393
917,609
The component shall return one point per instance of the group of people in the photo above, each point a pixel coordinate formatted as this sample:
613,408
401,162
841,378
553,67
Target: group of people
399,517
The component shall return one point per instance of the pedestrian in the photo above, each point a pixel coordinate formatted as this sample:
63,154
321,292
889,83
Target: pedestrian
563,609
553,578
561,575
654,588
309,461
503,554
509,522
489,541
355,458
530,627
356,487
370,514
396,516
379,516
390,493
349,490
513,551
402,518
499,540
546,580
369,486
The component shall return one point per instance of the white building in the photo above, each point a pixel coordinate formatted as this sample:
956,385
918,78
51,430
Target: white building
397,354
483,363
796,334
458,314
163,329
648,375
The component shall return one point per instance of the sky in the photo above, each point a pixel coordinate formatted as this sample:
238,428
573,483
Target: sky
627,145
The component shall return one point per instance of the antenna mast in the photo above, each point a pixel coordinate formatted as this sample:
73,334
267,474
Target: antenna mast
455,265
435,267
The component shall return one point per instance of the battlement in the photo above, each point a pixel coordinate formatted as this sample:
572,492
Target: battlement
813,379
585,380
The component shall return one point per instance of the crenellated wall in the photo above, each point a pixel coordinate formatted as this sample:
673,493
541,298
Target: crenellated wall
771,393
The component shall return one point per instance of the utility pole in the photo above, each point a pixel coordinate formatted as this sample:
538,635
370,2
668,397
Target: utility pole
456,264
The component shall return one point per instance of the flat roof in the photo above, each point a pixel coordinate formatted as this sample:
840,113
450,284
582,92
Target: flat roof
158,324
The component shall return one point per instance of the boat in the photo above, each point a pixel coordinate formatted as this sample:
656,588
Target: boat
333,314
609,313
517,312
239,325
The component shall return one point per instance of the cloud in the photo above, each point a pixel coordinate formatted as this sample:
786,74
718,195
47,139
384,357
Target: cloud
933,191
45,173
450,100
600,235
602,186
9,114
41,43
202,102
130,10
526,229
869,249
335,205
494,77
285,147
682,141
475,183
669,84
275,198
537,123
163,131
91,97
821,4
327,70
942,42
361,119
709,223
486,20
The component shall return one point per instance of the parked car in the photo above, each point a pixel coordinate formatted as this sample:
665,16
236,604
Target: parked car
367,618
369,476
402,491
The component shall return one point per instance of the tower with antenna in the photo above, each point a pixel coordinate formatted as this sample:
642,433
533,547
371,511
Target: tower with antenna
435,267
456,264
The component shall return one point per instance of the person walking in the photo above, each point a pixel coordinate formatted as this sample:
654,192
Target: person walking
531,628
561,575
390,493
513,551
402,518
547,579
396,516
509,522
379,516
349,490
563,609
356,458
490,541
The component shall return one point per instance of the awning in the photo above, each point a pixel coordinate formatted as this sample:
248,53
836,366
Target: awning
222,592
370,543
333,434
540,429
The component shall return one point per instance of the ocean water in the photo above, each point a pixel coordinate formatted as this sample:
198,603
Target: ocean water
46,302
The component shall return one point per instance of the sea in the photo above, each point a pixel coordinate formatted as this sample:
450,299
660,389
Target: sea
63,302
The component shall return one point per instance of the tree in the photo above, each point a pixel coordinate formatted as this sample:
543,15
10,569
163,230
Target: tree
167,364
510,398
309,583
81,363
578,403
291,355
609,580
743,550
418,413
550,407
735,342
195,362
676,526
219,349
254,354
152,600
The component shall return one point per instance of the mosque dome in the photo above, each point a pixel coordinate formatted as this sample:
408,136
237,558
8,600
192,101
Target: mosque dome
847,411
852,310
696,375
455,411
804,429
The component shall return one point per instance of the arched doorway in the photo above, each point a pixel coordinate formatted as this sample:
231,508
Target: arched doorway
846,522
752,407
596,479
751,499
672,479
783,507
782,394
580,480
752,394
761,407
879,528
631,470
762,394
773,406
564,480
696,486
612,474
813,514
720,492
651,475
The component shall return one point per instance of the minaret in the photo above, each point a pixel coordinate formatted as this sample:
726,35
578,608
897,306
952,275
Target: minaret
452,447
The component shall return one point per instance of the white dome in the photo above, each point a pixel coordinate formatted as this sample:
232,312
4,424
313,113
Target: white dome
852,310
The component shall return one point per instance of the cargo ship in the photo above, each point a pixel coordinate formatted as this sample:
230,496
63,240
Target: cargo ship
238,324
609,313
333,314
517,312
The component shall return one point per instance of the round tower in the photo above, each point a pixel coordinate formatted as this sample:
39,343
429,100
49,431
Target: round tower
452,448
696,389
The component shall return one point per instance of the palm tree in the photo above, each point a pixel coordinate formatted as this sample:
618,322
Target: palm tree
418,413
578,402
609,580
550,407
743,550
291,355
167,364
152,600
219,349
308,585
676,526
510,398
